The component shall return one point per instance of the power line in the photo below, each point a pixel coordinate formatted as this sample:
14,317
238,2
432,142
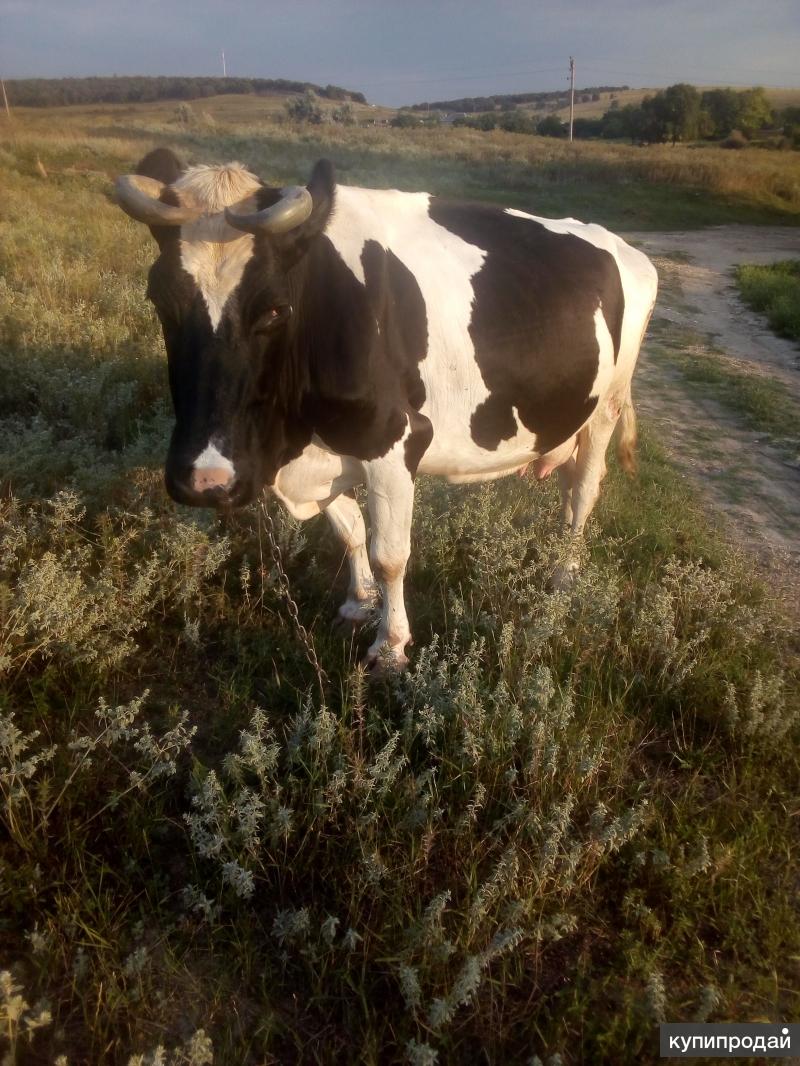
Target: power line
617,76
416,79
721,80
608,64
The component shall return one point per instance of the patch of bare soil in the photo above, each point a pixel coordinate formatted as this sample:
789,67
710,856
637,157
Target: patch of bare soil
753,484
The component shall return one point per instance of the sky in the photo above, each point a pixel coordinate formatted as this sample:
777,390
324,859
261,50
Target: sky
408,51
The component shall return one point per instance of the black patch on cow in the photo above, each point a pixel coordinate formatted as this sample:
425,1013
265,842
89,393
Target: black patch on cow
418,441
399,308
533,322
355,351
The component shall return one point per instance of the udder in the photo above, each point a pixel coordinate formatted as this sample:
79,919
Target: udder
552,460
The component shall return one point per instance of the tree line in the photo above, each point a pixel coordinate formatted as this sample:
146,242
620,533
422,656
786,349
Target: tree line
508,101
682,113
679,113
59,92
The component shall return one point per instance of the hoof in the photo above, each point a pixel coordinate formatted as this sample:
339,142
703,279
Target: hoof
385,663
563,578
353,614
345,627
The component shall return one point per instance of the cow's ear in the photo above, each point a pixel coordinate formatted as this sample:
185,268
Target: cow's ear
322,186
161,164
296,243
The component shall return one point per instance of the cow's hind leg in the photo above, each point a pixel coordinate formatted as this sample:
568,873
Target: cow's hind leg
344,514
566,480
580,487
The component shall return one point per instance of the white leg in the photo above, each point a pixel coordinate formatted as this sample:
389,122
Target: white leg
566,479
345,516
584,482
390,497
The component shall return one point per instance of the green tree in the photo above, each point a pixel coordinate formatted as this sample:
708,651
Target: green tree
755,112
584,128
679,110
305,108
629,122
722,107
486,121
344,115
651,125
516,122
404,120
551,126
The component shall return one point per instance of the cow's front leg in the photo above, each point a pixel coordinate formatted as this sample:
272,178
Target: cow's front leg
390,498
345,516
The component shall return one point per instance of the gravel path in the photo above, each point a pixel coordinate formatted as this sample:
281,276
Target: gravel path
742,474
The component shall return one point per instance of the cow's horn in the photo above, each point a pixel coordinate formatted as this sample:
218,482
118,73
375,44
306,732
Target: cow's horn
290,211
138,197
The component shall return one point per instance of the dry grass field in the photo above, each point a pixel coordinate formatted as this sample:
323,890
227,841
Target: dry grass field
233,109
575,817
660,187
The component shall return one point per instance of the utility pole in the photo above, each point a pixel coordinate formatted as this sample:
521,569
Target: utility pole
224,71
571,95
5,99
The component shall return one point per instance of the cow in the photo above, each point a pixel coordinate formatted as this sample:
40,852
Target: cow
323,337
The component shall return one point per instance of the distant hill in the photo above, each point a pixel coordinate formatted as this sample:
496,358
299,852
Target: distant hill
60,92
471,104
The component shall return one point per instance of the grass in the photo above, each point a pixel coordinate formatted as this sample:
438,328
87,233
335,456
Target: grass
661,187
774,290
574,816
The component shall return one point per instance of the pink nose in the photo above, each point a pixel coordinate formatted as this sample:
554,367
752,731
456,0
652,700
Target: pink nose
210,477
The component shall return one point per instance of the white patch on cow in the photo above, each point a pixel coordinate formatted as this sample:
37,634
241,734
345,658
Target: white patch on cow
213,188
212,252
586,231
216,268
211,458
605,356
308,483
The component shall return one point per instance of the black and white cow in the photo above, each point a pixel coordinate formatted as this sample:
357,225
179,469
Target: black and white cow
324,337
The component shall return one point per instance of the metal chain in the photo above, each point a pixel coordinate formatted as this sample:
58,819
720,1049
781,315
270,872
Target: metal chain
286,592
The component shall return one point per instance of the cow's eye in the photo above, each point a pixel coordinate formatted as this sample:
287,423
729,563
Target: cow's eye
272,318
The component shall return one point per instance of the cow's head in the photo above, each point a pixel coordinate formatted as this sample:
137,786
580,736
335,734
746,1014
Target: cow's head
224,285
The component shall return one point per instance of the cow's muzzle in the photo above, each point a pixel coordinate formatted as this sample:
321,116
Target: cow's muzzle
208,487
211,479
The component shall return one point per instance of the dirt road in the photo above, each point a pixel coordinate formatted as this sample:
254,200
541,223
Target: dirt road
749,477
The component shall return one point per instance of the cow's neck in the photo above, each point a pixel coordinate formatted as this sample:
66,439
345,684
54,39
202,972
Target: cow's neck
322,383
